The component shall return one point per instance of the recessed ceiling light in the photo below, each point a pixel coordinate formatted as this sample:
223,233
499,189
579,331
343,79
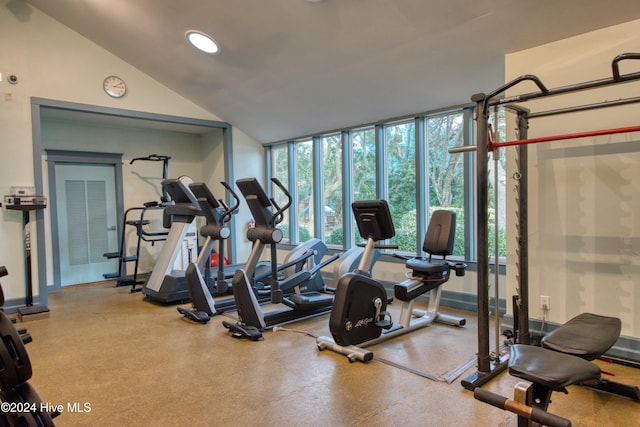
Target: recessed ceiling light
203,42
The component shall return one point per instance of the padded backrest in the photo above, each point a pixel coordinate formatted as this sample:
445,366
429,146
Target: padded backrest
586,335
441,233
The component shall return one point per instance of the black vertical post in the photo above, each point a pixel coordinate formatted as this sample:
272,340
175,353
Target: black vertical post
486,369
27,252
165,175
524,336
276,293
482,217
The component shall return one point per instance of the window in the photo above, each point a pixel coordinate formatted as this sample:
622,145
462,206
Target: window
363,171
303,192
332,217
446,171
406,162
363,143
497,181
280,170
400,172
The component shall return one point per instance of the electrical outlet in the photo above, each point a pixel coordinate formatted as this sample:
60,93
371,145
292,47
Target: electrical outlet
544,302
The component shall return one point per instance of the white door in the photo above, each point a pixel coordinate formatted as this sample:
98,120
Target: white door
87,221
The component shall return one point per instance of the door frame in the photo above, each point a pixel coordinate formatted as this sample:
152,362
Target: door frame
114,116
55,157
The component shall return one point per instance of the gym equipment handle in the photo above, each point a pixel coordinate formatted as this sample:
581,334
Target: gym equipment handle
226,216
534,414
152,158
278,216
478,97
617,59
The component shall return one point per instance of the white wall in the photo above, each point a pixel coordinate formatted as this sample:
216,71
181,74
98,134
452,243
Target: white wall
584,195
53,62
248,161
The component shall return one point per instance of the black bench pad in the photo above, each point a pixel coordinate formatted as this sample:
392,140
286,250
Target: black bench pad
549,368
587,336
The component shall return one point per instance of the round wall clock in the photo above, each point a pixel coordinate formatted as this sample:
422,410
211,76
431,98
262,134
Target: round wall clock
114,86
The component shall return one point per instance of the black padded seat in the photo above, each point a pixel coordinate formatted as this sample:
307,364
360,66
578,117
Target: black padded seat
587,336
549,368
439,241
423,266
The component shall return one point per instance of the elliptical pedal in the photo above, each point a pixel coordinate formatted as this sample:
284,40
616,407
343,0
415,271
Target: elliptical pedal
243,331
197,316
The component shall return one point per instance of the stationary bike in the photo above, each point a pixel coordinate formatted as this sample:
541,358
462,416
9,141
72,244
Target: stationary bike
359,317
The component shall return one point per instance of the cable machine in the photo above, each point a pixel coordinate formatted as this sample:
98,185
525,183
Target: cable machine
488,365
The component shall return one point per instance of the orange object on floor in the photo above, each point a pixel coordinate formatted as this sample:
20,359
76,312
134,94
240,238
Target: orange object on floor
215,261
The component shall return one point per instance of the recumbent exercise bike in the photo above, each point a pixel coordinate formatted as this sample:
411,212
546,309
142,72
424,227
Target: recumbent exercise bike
359,317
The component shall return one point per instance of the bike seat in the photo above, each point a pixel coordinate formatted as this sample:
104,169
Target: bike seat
429,275
424,266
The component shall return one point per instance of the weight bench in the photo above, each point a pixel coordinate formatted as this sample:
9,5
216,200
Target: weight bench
564,360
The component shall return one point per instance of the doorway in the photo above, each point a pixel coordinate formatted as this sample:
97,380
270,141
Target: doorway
87,221
86,202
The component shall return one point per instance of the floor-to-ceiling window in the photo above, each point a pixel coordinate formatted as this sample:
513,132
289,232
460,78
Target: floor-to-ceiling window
363,169
400,173
445,171
406,162
332,212
280,170
497,180
303,206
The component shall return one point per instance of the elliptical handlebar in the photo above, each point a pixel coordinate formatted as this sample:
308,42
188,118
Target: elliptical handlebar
278,216
226,216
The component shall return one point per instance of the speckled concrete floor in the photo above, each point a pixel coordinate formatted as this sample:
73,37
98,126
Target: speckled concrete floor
141,364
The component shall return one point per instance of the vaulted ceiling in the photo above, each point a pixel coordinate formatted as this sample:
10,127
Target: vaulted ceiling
290,68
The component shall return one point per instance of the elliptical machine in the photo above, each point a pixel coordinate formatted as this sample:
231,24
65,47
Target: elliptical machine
203,287
359,317
252,319
217,214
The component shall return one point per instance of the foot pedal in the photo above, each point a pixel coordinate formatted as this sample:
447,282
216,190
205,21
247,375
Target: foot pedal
241,331
196,316
385,322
